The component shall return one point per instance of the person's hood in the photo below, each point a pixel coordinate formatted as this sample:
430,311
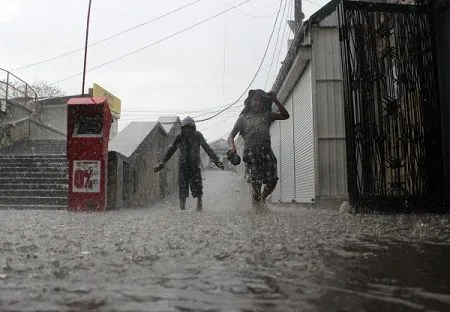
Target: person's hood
188,121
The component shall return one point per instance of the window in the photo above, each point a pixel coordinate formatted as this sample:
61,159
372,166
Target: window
89,126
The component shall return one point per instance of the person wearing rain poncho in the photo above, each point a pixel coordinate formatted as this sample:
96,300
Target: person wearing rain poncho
189,175
254,126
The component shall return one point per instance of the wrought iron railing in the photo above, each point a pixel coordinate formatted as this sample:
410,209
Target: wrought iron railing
15,90
391,101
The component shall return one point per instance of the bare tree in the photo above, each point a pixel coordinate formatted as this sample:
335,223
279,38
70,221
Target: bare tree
44,89
18,89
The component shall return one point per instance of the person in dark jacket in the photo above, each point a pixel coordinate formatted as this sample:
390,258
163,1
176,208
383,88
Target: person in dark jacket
254,126
189,175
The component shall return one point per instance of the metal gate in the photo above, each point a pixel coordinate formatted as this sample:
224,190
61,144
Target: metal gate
394,147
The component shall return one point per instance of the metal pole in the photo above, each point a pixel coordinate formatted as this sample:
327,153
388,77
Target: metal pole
86,47
298,14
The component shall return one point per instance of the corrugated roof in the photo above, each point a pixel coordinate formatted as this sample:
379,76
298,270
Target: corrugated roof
129,139
167,122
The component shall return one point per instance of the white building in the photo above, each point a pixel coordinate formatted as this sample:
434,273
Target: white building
310,146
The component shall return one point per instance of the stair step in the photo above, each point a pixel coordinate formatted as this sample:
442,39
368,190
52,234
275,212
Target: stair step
54,156
33,207
34,165
33,193
21,163
32,181
22,169
33,200
26,175
31,186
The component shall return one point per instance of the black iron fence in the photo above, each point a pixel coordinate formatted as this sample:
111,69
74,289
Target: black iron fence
392,112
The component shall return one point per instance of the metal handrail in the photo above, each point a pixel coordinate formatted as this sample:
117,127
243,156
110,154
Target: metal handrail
24,89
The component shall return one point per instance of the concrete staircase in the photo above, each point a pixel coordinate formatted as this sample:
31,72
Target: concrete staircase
33,181
36,147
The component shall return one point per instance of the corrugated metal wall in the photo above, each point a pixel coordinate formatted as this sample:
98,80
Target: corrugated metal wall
329,110
275,138
287,166
302,118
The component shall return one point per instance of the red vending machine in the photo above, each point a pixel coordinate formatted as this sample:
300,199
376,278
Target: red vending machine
88,127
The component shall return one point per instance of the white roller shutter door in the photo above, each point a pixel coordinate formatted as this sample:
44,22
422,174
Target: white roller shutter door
304,139
287,158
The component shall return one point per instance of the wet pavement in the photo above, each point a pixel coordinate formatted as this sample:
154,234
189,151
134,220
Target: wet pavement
230,257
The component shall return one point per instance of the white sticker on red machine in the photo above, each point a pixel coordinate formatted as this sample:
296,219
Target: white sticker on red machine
86,176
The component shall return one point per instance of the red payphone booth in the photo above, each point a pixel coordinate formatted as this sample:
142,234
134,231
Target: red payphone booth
88,125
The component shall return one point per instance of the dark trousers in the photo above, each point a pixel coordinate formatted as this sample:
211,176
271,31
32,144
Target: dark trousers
190,178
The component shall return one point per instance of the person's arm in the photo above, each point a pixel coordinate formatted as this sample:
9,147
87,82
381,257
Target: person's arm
283,114
172,149
210,152
236,129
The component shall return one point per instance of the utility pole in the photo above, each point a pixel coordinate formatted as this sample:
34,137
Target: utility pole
86,47
298,17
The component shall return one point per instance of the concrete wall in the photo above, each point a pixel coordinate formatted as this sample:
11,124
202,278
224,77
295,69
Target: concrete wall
14,112
14,132
171,170
54,115
40,131
131,180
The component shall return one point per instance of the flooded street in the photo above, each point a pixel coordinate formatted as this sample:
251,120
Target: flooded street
229,257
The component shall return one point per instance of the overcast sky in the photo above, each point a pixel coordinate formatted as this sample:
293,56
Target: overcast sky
205,67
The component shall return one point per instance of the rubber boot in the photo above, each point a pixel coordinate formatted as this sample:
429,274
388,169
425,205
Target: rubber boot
183,203
199,204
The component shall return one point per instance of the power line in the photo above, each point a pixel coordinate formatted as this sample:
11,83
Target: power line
236,108
224,55
256,16
156,42
108,38
283,37
218,107
257,71
314,2
276,44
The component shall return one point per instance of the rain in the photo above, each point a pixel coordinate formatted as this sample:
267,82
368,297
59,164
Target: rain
243,156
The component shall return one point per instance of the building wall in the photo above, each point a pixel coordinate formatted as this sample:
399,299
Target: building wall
310,146
55,116
328,103
142,184
172,165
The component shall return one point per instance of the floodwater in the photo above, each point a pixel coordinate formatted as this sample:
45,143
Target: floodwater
230,257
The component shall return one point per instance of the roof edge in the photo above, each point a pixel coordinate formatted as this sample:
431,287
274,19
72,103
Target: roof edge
299,37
